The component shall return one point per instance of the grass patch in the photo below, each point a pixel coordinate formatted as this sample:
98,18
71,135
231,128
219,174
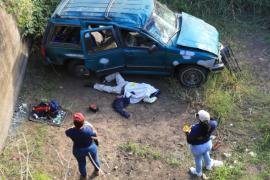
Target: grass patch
172,160
41,176
145,151
228,172
140,150
20,150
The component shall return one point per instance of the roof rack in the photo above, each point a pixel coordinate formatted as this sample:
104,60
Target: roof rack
60,8
107,11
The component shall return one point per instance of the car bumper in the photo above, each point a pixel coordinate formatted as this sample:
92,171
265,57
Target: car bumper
217,67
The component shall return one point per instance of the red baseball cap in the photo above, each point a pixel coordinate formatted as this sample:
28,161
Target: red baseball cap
78,117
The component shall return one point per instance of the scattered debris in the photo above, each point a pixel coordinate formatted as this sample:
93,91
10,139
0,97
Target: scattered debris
48,112
20,114
216,146
213,137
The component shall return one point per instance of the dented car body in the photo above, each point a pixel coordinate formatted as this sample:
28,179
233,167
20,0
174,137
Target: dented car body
135,37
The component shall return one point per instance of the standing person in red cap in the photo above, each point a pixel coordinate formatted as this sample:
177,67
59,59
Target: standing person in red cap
83,135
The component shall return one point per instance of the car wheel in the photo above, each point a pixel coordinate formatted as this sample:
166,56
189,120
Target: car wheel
192,76
78,69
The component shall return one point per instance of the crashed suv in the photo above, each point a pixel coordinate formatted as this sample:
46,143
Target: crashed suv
132,37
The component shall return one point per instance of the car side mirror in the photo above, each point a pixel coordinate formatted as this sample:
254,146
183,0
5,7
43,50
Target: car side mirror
153,48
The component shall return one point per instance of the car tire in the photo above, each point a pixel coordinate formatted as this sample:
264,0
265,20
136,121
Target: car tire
192,76
78,69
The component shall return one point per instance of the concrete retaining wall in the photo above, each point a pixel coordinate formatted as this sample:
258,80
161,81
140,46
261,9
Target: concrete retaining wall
13,60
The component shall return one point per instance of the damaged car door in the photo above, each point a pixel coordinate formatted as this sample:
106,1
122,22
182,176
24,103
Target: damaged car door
101,50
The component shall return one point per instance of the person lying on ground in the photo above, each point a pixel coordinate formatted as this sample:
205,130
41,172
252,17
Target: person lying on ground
83,135
200,143
135,91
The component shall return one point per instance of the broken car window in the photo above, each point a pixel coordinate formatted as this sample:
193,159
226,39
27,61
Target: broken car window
162,24
102,40
135,39
66,34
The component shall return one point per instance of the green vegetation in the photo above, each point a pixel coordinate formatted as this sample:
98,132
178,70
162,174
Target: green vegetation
230,9
41,176
21,150
145,151
31,15
140,150
237,101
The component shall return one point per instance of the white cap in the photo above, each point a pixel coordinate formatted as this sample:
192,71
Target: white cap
204,115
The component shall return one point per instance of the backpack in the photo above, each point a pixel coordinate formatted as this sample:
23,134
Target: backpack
54,108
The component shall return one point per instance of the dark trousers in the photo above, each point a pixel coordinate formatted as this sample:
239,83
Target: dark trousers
81,154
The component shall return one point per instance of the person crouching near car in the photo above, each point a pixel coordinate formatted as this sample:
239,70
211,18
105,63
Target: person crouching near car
84,140
200,143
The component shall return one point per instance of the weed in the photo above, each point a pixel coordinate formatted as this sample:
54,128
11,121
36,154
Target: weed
139,150
173,161
13,157
228,172
41,176
145,151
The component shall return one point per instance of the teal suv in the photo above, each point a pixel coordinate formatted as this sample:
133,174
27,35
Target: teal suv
132,37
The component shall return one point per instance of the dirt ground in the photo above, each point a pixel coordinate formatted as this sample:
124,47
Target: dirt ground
157,125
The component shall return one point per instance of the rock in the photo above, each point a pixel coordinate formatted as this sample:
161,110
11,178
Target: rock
231,124
24,105
252,154
204,177
227,155
115,168
130,153
180,144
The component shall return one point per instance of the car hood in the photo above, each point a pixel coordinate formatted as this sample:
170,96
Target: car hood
196,33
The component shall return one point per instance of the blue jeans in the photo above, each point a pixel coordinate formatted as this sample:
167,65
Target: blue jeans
81,154
201,152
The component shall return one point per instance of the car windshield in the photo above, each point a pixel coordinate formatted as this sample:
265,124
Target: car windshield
162,24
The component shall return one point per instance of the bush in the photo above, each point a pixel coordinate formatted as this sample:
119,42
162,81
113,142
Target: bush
224,8
31,15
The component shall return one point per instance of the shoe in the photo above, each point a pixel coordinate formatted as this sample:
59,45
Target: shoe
214,163
94,174
150,100
194,172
